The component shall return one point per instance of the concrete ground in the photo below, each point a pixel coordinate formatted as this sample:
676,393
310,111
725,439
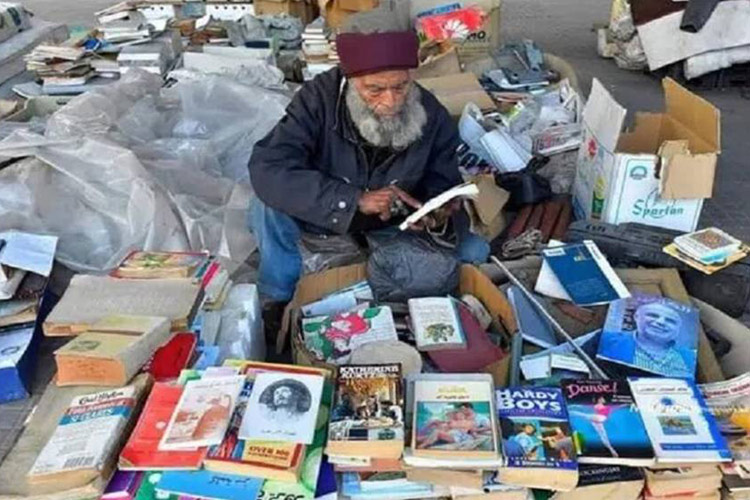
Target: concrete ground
564,27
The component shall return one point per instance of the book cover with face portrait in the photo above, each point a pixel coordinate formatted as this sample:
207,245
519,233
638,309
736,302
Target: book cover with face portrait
651,335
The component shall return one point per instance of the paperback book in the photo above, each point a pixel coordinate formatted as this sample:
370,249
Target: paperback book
651,335
679,424
151,265
436,323
607,426
367,417
454,419
123,486
729,403
202,414
333,338
209,485
283,407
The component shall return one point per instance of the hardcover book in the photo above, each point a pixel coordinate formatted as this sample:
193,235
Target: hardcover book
678,422
368,412
537,439
141,452
607,426
729,403
454,419
651,335
436,323
333,338
203,412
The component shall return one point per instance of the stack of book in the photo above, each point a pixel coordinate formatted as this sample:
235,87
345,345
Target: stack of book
701,482
708,250
134,28
60,66
319,53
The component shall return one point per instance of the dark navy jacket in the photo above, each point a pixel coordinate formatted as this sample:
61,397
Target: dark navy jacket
311,165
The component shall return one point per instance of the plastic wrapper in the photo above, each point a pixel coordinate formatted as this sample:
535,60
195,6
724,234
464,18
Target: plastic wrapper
241,329
322,252
143,168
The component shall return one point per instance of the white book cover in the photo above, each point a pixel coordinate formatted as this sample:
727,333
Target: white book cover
202,415
85,435
678,423
282,407
436,323
467,190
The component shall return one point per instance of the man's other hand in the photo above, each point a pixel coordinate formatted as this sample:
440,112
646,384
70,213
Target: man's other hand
379,202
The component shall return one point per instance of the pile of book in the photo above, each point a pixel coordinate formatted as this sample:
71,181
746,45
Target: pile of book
318,49
25,264
122,24
60,66
708,250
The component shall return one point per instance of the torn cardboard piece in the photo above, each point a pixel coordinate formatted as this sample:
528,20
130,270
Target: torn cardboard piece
486,210
455,91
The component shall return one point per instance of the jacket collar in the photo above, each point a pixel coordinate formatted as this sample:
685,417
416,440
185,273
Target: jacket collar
342,123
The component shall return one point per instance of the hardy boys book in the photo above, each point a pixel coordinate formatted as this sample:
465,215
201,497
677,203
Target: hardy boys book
368,416
536,435
607,427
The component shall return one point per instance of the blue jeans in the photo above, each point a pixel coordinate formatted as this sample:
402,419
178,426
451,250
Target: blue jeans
278,234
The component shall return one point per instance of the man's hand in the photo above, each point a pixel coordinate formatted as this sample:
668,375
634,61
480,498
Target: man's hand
379,202
438,217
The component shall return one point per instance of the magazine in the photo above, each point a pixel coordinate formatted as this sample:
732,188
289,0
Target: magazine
653,335
202,415
678,422
607,427
729,403
282,407
535,429
333,338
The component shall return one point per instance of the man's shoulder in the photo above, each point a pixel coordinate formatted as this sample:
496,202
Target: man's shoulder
326,84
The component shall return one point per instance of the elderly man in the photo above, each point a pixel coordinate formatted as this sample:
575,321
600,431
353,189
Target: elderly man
355,142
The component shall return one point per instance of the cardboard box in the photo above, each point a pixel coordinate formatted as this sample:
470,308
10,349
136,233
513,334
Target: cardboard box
302,9
659,172
478,44
336,11
486,210
314,286
455,91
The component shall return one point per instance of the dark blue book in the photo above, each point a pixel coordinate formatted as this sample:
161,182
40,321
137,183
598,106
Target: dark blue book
651,335
16,363
535,429
584,274
607,426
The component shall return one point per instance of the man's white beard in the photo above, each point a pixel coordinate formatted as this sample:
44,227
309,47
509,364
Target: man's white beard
397,131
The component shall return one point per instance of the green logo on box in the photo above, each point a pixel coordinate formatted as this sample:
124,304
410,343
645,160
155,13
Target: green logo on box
653,208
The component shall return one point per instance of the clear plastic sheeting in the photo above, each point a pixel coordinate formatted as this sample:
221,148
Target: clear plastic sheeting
137,166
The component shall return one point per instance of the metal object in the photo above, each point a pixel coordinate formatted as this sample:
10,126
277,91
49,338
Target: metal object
586,358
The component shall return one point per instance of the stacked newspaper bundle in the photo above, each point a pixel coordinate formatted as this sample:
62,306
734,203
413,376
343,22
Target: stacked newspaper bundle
319,51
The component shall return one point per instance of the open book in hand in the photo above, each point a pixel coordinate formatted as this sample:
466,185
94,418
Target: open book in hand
467,190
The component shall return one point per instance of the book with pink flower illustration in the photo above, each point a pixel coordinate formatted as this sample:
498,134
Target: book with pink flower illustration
333,338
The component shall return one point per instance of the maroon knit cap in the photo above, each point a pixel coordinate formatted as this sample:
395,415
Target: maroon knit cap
362,54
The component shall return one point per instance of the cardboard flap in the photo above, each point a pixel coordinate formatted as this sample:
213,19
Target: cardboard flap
603,116
694,112
684,175
491,199
455,91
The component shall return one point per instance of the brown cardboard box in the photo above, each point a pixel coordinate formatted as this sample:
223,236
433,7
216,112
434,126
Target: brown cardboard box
439,65
455,91
479,44
486,210
306,11
336,11
314,286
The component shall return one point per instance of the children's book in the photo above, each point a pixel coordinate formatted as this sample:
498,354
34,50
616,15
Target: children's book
678,422
607,426
333,338
648,334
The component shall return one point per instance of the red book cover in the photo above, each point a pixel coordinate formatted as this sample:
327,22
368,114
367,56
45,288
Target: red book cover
142,449
173,357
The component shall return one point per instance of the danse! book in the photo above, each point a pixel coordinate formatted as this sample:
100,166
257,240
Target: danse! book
607,426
